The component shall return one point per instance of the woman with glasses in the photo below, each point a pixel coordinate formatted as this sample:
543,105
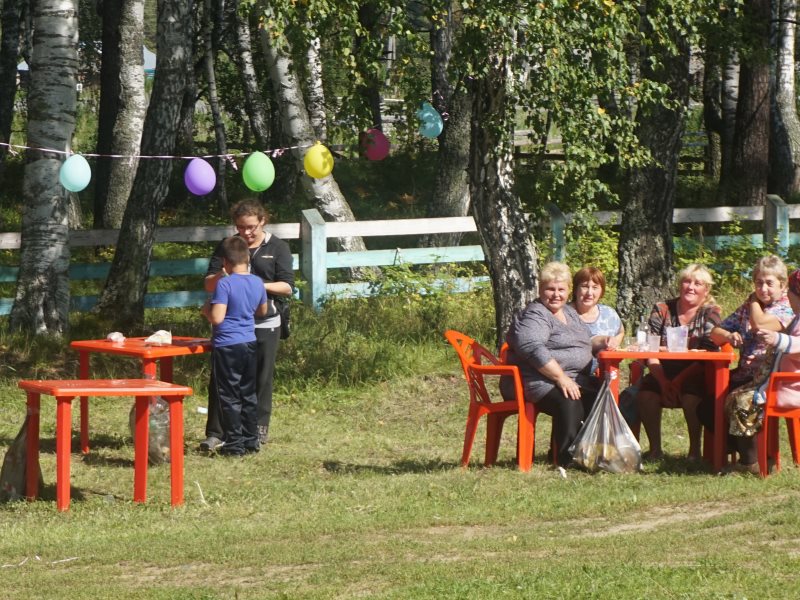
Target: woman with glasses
271,260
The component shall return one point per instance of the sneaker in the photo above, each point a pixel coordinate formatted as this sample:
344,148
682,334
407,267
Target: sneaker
262,434
211,444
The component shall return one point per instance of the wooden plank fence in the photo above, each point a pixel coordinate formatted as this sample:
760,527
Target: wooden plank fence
314,260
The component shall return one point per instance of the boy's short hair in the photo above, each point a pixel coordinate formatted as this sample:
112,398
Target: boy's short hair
235,251
771,265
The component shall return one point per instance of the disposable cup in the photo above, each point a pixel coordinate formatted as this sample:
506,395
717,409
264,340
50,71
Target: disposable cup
653,342
678,338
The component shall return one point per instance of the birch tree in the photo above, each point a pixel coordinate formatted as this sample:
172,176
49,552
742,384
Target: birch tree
747,184
41,304
209,60
122,299
451,194
122,109
645,247
237,45
323,193
785,134
11,27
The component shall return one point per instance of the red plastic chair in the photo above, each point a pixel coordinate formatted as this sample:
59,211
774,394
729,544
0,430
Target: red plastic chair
767,440
478,363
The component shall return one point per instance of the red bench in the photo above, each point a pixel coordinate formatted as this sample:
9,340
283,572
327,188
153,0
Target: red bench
65,391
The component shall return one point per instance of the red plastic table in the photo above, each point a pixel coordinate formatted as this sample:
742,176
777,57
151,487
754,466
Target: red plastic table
156,360
717,366
65,391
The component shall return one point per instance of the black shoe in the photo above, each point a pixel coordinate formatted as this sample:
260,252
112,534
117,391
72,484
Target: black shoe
226,451
211,444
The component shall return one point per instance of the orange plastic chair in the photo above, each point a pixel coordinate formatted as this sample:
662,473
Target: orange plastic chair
478,363
767,440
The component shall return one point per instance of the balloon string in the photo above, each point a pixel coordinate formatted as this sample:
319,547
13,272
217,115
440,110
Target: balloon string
275,153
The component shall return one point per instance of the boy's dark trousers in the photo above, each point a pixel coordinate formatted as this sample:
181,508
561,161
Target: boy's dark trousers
234,379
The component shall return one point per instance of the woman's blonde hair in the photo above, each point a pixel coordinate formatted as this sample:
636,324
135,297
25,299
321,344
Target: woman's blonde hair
555,271
701,274
771,265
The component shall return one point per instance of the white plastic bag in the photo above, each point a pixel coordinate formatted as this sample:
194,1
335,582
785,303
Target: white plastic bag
605,441
158,431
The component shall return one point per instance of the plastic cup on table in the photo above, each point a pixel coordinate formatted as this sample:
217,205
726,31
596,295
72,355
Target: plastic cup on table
653,342
678,339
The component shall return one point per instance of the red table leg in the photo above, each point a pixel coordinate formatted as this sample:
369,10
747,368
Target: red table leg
83,373
32,454
721,380
63,450
149,368
141,442
165,370
610,368
176,448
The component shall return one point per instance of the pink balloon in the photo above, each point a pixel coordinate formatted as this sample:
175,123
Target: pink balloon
199,177
374,144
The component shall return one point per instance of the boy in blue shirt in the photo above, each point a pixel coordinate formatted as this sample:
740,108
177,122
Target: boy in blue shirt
237,300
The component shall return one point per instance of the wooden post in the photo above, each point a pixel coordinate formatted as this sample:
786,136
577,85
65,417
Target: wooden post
558,224
313,257
776,223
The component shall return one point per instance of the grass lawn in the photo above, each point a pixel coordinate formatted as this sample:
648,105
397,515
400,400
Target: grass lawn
364,498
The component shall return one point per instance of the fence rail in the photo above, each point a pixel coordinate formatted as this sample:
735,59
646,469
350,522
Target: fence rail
314,260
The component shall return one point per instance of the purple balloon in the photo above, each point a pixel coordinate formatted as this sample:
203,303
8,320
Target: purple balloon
199,177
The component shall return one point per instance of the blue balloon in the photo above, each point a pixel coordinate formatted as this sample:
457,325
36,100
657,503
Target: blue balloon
430,121
75,174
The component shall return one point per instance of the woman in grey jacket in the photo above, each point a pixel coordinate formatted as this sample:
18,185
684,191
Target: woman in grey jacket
553,349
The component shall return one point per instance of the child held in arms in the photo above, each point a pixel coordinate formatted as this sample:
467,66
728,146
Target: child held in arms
238,299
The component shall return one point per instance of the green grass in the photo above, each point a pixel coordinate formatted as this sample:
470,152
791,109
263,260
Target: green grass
359,494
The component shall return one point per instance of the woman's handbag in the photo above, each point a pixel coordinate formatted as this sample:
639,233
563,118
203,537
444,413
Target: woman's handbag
605,442
283,310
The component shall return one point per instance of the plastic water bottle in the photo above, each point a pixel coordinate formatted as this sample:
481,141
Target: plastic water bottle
641,334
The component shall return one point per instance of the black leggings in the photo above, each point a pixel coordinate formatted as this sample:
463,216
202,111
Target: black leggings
568,416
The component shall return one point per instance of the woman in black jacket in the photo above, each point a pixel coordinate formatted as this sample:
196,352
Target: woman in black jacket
271,260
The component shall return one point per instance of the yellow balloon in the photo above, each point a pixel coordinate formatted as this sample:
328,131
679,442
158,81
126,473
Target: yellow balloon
318,161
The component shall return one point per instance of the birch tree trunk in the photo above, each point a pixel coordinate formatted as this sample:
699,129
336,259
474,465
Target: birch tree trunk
122,109
450,196
502,225
785,138
122,300
316,93
712,114
238,48
747,184
11,23
41,304
645,247
213,101
323,193
730,98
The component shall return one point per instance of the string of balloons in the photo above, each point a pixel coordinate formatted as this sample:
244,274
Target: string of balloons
258,171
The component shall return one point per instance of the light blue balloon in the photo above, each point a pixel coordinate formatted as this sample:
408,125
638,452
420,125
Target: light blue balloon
431,126
75,173
430,121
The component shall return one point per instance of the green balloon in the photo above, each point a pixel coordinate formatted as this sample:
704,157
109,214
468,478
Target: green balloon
258,172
